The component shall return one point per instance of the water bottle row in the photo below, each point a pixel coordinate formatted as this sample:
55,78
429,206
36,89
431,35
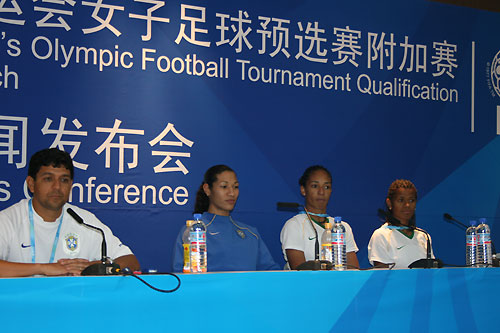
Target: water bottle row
194,242
333,247
478,251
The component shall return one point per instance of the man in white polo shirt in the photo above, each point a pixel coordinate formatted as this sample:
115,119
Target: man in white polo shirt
39,237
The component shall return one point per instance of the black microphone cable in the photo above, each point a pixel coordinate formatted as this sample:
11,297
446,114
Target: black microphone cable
128,272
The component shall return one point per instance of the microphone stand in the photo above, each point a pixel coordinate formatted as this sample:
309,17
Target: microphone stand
448,218
428,262
310,265
105,267
316,264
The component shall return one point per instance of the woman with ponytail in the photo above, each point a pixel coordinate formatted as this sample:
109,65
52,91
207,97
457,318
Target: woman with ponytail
231,245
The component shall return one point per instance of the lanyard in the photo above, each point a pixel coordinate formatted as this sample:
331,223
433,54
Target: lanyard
318,215
397,227
32,235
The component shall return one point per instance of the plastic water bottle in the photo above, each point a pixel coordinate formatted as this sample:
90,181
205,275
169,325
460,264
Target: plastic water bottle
326,243
471,244
338,245
198,248
484,257
186,246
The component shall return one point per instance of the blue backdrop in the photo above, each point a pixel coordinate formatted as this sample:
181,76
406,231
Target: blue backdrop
147,94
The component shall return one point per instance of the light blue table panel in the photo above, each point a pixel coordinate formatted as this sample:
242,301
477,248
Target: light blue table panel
434,300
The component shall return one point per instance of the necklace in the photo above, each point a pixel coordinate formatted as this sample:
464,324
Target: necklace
209,223
237,226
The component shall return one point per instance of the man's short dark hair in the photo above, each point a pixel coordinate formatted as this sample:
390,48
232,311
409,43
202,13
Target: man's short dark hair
50,157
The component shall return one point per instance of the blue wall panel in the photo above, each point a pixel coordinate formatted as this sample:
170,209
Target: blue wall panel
269,132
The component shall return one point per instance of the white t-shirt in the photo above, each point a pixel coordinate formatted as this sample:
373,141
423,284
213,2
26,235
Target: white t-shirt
75,240
391,246
297,234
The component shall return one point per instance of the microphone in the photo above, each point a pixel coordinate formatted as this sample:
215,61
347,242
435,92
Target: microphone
310,265
287,205
447,217
428,262
104,267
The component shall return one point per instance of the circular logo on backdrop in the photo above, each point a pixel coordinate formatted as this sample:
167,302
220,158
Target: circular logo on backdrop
72,244
495,73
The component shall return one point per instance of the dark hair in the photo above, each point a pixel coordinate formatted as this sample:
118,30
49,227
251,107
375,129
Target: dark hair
309,171
391,193
202,201
50,157
399,183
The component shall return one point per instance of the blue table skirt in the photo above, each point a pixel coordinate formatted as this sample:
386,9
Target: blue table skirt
419,300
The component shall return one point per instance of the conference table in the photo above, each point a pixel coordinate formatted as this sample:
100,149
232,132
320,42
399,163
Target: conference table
382,300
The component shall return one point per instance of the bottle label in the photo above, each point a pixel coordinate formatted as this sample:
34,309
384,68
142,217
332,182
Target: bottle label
326,251
471,240
187,266
198,254
484,238
197,237
338,239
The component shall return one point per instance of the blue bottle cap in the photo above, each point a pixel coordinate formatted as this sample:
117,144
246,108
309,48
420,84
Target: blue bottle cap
473,223
337,219
482,220
197,216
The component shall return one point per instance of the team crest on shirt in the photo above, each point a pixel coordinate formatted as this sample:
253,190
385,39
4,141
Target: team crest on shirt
240,233
71,243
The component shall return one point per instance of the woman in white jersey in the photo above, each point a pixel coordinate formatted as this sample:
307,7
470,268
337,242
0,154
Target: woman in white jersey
396,241
297,236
